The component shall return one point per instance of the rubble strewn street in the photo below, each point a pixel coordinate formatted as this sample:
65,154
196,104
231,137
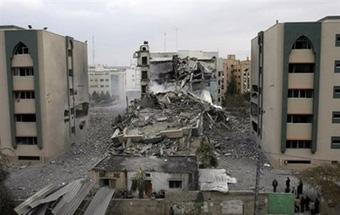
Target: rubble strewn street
24,180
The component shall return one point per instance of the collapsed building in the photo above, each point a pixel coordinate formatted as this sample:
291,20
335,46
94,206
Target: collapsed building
193,71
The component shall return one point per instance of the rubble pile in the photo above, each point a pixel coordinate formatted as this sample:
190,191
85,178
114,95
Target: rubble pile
173,123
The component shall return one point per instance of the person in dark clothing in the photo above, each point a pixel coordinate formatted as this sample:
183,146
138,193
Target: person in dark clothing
300,189
307,201
288,183
302,204
317,206
275,183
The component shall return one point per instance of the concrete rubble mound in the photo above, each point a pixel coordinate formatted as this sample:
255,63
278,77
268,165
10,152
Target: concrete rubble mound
174,123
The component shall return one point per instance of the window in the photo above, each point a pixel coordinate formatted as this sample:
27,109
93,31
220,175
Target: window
337,40
336,92
31,158
22,71
70,72
295,93
25,118
144,75
101,80
296,118
336,117
337,66
335,143
302,43
144,60
106,79
69,52
254,126
143,89
298,144
24,94
21,49
73,129
298,161
175,184
26,140
253,109
71,91
301,68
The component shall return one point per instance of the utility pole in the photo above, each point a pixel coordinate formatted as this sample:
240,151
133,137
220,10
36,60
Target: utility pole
257,180
165,41
93,51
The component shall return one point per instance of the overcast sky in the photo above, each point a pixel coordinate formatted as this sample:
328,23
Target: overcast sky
119,26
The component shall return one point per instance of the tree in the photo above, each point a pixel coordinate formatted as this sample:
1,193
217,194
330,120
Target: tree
138,183
6,203
206,154
232,86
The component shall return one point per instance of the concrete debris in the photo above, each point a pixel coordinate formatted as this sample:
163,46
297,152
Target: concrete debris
215,180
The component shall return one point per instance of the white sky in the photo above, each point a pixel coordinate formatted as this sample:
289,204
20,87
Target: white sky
120,26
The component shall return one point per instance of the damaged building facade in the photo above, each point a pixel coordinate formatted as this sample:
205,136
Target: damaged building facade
160,174
195,71
44,105
295,92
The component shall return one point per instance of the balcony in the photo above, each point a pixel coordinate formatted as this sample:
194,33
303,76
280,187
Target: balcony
23,82
300,80
300,105
22,60
299,131
26,129
24,105
301,56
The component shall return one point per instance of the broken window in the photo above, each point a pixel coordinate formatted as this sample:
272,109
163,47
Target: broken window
26,140
253,109
302,43
301,68
335,143
298,144
254,126
336,117
299,118
71,91
25,118
24,94
144,60
173,184
70,72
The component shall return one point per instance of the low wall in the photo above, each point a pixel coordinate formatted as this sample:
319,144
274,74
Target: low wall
190,202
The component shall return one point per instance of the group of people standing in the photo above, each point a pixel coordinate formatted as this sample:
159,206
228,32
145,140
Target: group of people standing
303,203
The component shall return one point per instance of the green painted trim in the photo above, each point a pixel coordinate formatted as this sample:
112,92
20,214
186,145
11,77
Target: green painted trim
292,31
30,39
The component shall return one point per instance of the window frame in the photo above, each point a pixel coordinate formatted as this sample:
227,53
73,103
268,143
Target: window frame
337,66
337,40
335,142
335,116
335,94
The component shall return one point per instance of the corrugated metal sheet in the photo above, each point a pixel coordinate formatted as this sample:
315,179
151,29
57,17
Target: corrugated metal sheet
100,202
59,193
71,206
25,207
73,190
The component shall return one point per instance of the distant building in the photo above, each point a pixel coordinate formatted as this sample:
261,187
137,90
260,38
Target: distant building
295,91
159,70
44,93
107,80
167,173
238,71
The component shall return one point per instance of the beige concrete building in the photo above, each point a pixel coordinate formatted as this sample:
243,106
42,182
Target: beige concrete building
240,71
44,93
295,92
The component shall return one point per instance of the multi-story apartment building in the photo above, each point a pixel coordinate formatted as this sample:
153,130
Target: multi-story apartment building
155,67
238,71
44,93
295,92
132,83
107,80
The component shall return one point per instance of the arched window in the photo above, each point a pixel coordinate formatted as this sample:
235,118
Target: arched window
20,48
302,43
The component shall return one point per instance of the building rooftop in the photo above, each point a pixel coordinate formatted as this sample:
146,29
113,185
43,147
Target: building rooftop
171,164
